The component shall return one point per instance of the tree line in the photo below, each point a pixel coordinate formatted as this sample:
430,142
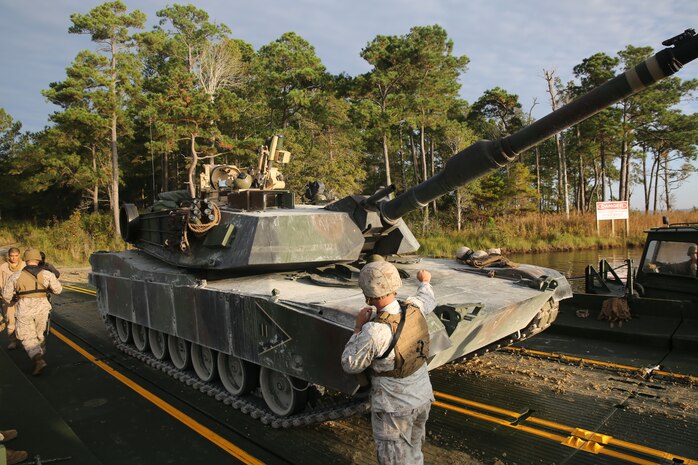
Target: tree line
134,111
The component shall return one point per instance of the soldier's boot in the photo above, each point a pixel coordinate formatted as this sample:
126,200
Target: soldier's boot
15,456
13,341
7,435
39,364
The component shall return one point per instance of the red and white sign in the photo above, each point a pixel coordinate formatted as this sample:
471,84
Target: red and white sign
612,210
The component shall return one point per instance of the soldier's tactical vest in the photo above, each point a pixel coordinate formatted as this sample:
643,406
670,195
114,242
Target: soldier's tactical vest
30,286
412,345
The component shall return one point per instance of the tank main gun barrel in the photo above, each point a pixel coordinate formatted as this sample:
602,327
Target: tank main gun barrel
485,156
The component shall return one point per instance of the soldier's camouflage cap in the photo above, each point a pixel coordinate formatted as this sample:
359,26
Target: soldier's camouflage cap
32,254
378,279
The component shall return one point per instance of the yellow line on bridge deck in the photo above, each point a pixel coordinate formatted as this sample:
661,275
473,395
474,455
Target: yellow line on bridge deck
577,438
202,430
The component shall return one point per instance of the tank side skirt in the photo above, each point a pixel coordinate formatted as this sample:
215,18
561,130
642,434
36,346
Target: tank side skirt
266,333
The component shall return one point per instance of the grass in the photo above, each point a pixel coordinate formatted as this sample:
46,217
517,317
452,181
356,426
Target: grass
65,243
532,233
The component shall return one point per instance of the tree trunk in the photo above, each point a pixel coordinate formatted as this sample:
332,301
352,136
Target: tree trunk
431,173
192,166
582,185
667,191
651,176
582,179
602,155
425,221
415,163
565,183
115,179
165,172
623,181
562,187
645,187
540,197
95,191
114,151
401,157
656,186
386,159
594,192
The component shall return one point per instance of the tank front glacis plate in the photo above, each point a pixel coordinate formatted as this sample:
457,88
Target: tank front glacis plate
286,322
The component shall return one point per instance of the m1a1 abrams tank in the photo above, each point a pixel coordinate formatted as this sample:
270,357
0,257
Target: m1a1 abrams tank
260,294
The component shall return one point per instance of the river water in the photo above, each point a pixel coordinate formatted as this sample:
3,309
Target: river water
572,264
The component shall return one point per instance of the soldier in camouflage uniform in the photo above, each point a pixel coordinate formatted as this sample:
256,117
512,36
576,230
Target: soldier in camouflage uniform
401,393
31,288
12,265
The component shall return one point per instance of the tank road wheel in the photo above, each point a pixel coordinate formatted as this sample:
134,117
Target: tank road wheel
281,392
158,344
123,330
140,337
238,376
179,352
204,361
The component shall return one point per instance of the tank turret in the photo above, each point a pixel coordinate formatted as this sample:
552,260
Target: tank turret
257,226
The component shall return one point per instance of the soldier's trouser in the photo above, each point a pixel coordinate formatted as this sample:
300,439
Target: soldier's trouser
9,312
30,330
399,435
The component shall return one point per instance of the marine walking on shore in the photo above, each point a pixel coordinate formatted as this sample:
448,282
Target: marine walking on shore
30,289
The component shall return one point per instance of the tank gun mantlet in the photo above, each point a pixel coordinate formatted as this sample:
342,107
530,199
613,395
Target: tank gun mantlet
379,238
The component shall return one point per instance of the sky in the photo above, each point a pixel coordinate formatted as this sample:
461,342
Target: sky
509,42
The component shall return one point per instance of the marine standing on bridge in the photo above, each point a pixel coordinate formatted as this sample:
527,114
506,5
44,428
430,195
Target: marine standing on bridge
31,287
394,347
12,265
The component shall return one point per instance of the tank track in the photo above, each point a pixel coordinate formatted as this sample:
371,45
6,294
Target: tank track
325,409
